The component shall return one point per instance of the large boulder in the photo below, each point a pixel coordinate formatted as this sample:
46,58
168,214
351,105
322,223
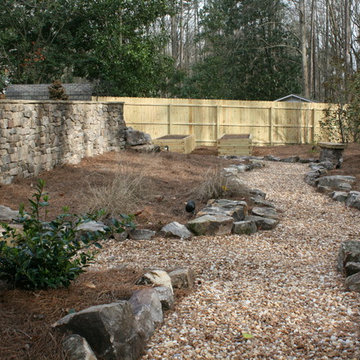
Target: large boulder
336,181
77,348
109,329
211,225
177,230
353,200
349,251
135,137
147,309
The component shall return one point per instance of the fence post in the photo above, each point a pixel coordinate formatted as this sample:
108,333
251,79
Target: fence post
271,126
169,119
217,122
313,125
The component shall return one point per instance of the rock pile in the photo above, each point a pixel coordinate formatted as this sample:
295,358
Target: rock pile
121,329
139,141
348,264
338,187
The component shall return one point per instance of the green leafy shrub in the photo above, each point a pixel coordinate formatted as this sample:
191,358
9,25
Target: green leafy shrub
46,254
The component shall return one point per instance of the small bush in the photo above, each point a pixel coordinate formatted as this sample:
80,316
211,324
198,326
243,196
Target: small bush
57,91
217,184
121,196
45,254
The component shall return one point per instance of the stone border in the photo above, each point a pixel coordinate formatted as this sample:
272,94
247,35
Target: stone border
120,330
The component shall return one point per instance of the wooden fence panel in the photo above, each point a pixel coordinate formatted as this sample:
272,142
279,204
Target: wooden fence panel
269,123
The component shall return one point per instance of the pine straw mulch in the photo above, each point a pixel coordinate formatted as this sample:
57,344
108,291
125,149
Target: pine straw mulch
26,316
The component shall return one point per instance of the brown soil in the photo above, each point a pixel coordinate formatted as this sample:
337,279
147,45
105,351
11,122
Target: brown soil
26,316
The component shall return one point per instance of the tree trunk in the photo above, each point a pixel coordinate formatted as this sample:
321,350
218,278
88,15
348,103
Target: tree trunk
305,70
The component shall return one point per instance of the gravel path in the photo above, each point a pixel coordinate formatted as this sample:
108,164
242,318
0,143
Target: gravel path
280,286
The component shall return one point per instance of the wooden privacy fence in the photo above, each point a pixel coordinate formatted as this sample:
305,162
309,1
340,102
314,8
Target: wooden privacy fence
269,123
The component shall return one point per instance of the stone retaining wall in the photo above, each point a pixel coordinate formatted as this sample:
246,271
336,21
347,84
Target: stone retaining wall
37,136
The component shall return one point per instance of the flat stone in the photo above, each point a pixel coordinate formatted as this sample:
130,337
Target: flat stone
244,227
262,223
182,278
335,181
265,212
353,199
271,158
260,201
328,165
331,145
291,159
306,161
141,234
211,225
177,230
319,169
77,348
236,209
339,196
254,165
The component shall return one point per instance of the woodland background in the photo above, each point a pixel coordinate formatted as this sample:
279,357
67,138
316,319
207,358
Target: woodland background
248,50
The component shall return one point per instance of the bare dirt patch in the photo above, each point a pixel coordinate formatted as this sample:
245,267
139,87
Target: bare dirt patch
26,316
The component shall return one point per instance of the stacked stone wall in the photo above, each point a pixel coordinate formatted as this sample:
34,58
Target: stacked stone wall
37,136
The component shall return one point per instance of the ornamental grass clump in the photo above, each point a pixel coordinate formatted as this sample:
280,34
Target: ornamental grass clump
217,184
46,254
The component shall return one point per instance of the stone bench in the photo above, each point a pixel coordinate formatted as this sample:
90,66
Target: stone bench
332,152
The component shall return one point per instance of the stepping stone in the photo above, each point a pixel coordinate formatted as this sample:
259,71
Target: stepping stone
211,225
262,223
244,227
265,212
177,230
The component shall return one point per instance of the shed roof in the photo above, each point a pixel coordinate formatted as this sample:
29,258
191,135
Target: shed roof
294,98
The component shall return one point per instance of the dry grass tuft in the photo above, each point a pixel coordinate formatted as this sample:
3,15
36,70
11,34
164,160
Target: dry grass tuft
121,196
217,184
